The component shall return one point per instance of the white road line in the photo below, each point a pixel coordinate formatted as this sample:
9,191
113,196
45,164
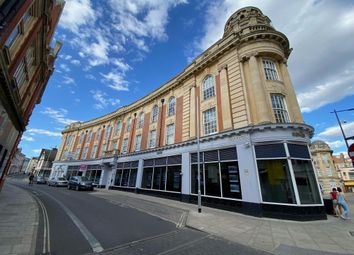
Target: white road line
94,243
46,228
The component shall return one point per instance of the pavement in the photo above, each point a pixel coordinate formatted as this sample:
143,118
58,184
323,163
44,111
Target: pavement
19,221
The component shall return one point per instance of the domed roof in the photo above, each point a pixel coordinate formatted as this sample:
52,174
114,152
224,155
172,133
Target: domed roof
246,17
319,145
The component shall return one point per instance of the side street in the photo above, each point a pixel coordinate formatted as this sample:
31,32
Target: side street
19,223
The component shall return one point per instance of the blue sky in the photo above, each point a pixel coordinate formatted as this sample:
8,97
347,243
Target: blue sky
117,51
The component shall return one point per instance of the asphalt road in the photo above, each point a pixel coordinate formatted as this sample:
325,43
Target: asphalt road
75,222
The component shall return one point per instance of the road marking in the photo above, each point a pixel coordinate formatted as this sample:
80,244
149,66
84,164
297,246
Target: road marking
94,243
46,228
180,223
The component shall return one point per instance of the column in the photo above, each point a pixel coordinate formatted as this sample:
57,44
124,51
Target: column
260,93
185,176
192,114
139,176
225,102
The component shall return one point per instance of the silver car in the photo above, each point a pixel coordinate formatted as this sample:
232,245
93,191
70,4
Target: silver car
58,182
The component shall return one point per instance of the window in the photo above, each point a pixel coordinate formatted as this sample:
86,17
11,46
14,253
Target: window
152,139
89,136
81,137
104,147
155,113
209,118
137,142
141,120
118,127
329,172
125,145
108,132
129,124
279,108
171,106
27,15
114,145
98,134
170,134
20,74
13,36
270,70
68,141
94,151
208,87
84,155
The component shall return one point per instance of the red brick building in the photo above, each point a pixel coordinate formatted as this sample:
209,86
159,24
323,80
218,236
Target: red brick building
26,64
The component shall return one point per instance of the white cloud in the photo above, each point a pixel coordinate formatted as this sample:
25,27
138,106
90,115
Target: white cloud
58,115
101,99
334,131
64,67
75,62
77,13
115,81
121,65
90,77
38,131
336,144
27,138
68,80
37,151
321,34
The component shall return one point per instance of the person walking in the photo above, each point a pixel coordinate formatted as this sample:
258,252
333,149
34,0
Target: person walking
343,204
30,178
334,198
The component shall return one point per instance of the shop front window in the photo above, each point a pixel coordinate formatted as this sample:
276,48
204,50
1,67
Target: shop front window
306,182
159,178
275,181
212,179
125,177
147,178
132,177
173,178
194,173
117,179
230,180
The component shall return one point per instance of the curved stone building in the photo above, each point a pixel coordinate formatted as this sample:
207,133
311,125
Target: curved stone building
238,96
328,175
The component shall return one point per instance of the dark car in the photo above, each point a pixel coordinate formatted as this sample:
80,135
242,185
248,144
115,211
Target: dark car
40,180
58,182
80,183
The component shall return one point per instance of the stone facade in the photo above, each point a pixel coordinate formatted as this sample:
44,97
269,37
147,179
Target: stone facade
238,98
26,64
327,174
345,167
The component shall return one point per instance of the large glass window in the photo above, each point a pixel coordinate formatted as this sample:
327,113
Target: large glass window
174,178
118,127
152,139
209,119
129,124
306,182
212,179
275,181
270,70
194,181
279,109
132,177
98,134
125,145
108,132
125,177
118,177
208,87
171,106
84,156
155,113
89,136
159,178
12,36
81,137
170,134
141,120
147,178
20,74
230,180
94,151
137,142
126,174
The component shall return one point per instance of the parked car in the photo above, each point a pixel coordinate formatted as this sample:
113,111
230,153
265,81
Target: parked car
58,182
40,180
80,183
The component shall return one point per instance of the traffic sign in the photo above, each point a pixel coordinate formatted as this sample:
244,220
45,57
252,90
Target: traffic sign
351,151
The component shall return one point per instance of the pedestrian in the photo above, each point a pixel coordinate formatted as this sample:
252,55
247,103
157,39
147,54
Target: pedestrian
30,178
343,204
334,198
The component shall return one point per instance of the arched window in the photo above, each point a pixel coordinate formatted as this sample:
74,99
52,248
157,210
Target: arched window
82,137
208,87
108,131
89,136
141,120
171,106
118,127
129,124
155,113
98,134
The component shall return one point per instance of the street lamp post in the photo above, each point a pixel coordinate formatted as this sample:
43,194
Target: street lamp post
341,128
198,151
